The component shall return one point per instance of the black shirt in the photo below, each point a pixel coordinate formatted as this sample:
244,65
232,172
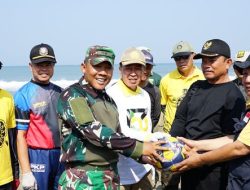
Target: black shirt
155,98
208,111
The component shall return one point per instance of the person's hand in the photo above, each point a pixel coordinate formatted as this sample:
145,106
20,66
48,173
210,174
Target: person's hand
29,181
146,160
150,149
190,146
192,161
15,184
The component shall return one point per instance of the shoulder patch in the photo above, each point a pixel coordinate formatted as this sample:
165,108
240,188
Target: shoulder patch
81,110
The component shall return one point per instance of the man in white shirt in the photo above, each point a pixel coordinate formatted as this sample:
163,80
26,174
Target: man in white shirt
134,109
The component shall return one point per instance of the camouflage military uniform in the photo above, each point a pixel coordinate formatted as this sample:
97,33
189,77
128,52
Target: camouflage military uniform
91,139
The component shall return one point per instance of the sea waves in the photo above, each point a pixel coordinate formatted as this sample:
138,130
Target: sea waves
13,86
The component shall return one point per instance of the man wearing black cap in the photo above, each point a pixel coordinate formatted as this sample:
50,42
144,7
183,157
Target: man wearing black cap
38,137
238,71
209,110
239,178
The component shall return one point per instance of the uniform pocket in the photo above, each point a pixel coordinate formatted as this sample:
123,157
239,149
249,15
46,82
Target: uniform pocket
73,180
101,180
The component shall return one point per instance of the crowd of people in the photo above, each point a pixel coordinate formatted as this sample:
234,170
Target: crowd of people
90,136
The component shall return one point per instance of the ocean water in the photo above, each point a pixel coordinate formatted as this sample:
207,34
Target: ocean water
13,77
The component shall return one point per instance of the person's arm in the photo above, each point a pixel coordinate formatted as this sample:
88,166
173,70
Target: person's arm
14,159
22,149
208,144
11,125
28,179
74,111
238,148
22,125
22,115
227,152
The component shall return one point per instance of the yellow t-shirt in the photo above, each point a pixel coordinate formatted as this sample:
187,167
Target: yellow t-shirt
173,88
245,134
7,120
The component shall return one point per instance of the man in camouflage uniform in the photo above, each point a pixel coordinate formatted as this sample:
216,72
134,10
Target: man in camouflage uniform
91,130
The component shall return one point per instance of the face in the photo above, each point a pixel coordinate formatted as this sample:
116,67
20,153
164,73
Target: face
42,72
246,80
215,69
98,76
131,75
184,64
147,72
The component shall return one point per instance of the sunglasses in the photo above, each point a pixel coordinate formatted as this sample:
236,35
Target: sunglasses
178,58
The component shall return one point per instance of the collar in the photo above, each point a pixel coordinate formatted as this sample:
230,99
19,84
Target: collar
94,92
127,91
39,84
177,75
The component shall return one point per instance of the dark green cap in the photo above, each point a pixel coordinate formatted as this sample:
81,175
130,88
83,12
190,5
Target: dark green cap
98,54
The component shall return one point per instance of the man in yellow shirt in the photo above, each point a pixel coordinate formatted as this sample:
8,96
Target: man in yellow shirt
9,168
174,85
173,88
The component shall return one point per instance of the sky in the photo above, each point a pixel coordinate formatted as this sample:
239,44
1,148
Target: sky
71,26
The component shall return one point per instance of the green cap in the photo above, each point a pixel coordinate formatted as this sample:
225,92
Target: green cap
182,48
98,54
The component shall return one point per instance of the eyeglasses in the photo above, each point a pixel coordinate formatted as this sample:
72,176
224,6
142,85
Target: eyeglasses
178,58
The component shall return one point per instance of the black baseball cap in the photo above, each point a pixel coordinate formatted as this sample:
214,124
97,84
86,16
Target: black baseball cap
42,53
214,48
242,61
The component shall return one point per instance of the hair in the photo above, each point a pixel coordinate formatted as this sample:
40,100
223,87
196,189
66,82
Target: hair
225,58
